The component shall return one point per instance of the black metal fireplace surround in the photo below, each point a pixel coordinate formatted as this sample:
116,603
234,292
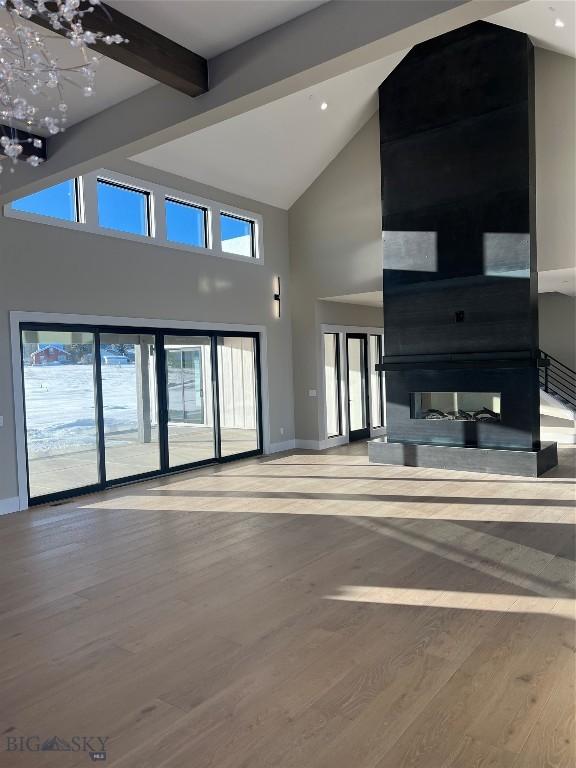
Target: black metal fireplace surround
459,252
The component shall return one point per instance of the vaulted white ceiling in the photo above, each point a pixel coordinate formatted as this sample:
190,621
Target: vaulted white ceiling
537,18
273,153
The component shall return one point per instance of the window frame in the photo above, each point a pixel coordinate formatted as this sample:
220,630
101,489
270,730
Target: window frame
343,331
129,188
338,384
380,378
251,222
205,220
159,329
87,213
46,218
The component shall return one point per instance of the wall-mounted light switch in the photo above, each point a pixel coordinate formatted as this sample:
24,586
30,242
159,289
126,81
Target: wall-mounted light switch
311,393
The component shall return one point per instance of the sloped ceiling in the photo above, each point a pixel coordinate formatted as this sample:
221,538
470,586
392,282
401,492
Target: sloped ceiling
272,154
537,18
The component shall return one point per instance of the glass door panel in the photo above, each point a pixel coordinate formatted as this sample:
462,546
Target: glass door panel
332,384
129,404
60,404
189,399
358,410
376,382
237,395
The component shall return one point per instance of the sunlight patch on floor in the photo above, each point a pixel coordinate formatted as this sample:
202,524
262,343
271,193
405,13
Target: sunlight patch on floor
470,601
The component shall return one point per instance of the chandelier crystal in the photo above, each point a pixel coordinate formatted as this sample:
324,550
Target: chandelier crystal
32,80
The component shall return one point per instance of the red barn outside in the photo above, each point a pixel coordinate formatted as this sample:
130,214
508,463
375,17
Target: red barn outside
50,354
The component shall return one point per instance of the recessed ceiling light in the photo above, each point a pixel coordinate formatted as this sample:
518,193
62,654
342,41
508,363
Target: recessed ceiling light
559,23
324,106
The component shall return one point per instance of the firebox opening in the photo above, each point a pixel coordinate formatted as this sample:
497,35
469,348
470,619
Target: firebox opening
456,406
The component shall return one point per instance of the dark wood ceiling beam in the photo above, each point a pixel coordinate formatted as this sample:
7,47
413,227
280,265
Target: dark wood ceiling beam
146,51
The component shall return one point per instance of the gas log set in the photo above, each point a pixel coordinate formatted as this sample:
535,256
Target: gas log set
484,414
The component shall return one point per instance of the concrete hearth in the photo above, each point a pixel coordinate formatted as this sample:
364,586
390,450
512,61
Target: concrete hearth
498,461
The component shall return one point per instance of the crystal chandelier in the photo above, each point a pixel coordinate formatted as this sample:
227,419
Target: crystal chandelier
32,81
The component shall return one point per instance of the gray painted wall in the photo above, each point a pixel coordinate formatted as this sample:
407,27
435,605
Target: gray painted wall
555,160
50,269
557,314
335,249
341,313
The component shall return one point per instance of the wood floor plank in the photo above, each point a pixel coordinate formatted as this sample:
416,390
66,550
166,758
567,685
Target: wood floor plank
306,610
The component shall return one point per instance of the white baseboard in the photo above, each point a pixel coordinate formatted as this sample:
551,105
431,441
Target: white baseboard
7,506
287,445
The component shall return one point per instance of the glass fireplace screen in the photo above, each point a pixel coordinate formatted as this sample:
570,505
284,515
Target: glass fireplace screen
456,406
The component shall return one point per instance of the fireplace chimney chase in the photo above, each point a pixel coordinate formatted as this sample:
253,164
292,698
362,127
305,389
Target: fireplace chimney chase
459,256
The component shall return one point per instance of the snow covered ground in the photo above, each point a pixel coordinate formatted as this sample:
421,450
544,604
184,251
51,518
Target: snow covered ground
60,407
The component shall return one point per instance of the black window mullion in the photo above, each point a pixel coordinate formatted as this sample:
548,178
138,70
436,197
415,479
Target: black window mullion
162,393
365,342
258,392
252,240
381,383
216,397
379,377
97,369
338,385
24,408
206,224
77,201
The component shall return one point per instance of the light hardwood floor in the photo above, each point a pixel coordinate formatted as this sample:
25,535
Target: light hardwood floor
299,611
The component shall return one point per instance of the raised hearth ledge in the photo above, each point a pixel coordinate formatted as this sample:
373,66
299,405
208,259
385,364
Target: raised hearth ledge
500,461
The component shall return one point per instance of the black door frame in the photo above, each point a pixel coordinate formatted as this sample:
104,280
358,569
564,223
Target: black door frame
158,334
380,378
364,433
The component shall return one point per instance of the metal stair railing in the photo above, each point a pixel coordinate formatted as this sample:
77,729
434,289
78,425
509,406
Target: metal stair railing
557,379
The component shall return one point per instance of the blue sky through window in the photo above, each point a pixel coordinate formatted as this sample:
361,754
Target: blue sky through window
237,235
127,209
58,201
122,208
185,224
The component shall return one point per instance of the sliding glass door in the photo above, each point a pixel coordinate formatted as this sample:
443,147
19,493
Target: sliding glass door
190,421
376,382
104,406
358,390
332,384
237,395
129,404
60,408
